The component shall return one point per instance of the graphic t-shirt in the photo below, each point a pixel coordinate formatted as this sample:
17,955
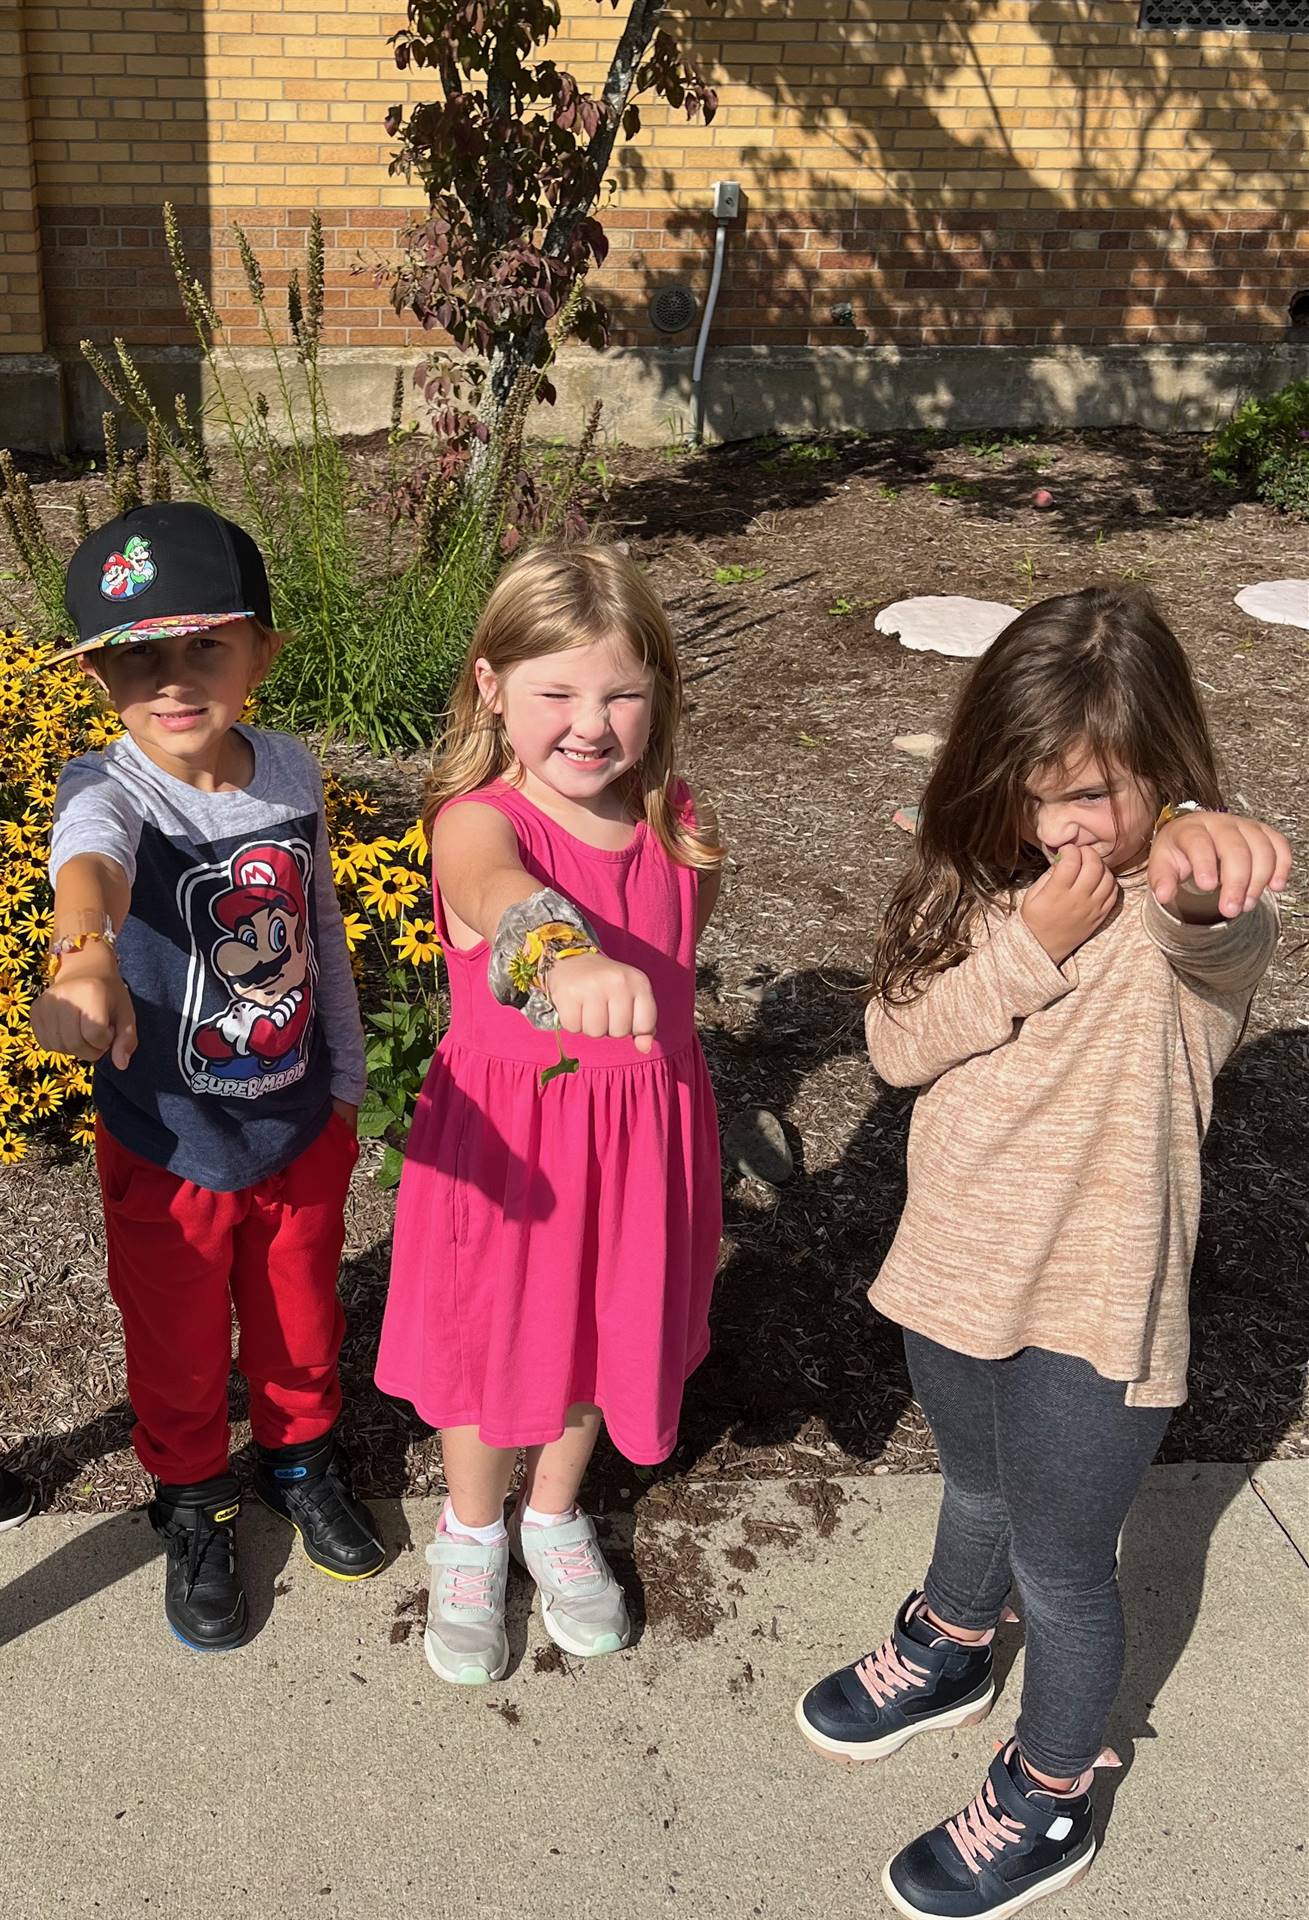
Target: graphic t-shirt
233,952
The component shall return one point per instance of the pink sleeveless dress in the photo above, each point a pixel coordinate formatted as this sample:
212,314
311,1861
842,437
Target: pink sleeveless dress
559,1245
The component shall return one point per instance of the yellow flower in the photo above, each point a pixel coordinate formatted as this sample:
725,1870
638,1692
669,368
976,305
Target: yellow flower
47,1097
84,1131
12,1148
368,854
389,893
356,930
16,890
101,730
360,803
33,927
14,1002
417,943
415,844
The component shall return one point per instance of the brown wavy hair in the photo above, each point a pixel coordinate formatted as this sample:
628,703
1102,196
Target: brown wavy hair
1100,669
549,599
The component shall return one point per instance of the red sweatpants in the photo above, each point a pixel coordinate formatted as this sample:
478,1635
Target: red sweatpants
180,1258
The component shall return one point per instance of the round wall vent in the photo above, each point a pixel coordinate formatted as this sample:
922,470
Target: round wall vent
672,308
1297,315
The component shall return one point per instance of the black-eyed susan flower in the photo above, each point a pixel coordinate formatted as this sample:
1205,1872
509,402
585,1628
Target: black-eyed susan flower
414,843
391,892
417,943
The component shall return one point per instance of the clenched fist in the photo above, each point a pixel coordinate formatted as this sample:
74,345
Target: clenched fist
600,997
1070,901
87,1011
1200,855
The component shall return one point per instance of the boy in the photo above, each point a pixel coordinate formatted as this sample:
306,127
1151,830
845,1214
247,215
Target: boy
228,1048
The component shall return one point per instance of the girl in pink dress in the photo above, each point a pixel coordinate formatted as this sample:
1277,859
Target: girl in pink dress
557,1231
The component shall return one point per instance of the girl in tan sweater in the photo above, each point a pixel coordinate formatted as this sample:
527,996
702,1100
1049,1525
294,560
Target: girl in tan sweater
1063,970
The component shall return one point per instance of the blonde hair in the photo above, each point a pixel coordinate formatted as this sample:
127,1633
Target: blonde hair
551,599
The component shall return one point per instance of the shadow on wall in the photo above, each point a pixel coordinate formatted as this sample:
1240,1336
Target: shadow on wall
1127,269
136,132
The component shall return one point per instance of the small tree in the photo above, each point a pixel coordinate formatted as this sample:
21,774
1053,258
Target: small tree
513,157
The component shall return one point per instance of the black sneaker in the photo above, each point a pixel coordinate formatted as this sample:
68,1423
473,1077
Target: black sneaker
918,1679
310,1486
202,1595
1016,1843
16,1500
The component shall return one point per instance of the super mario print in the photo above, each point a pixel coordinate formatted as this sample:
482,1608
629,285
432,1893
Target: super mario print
250,1001
128,573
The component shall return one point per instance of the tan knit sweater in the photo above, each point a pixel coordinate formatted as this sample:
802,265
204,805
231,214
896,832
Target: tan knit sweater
1054,1154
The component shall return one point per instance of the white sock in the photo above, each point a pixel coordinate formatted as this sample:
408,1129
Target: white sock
484,1536
531,1518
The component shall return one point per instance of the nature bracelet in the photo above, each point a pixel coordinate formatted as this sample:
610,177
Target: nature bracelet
544,946
1173,811
74,943
532,937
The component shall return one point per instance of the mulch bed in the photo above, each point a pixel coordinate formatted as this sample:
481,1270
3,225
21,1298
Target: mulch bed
795,701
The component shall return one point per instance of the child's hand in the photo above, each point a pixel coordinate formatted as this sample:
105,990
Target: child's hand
599,997
1070,901
1200,855
87,1011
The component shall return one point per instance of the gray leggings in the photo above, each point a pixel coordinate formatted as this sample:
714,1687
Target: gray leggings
1041,1461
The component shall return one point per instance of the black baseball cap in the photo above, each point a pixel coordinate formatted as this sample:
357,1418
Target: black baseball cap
172,568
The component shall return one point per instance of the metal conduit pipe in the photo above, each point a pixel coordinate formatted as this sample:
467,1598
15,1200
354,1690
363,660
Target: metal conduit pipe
727,204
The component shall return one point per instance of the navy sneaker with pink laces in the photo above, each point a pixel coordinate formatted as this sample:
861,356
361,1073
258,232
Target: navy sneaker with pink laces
918,1679
1013,1845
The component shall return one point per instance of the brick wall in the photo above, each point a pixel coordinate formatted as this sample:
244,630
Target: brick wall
963,171
22,326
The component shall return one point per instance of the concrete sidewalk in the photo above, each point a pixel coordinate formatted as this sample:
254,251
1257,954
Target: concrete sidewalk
323,1771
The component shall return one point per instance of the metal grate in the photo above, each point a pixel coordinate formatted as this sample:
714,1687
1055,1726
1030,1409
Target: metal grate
672,308
1227,16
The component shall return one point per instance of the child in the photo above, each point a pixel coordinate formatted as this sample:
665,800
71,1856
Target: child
229,1051
556,1243
1064,969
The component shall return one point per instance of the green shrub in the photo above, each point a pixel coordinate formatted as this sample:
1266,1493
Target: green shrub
1265,448
1283,481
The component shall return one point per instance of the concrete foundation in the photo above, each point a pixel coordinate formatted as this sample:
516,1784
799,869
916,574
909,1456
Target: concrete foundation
52,404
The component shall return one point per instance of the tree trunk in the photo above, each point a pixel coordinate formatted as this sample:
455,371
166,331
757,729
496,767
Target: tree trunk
512,356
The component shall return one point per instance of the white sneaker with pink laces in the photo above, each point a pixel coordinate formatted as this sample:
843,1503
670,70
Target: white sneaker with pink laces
582,1605
465,1638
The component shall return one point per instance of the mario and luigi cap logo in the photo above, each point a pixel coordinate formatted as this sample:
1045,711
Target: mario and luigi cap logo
128,573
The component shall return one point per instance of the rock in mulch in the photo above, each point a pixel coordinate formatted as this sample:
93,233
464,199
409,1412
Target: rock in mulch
1283,603
947,623
919,746
755,1144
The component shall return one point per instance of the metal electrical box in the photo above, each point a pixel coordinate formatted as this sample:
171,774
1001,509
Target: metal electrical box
727,199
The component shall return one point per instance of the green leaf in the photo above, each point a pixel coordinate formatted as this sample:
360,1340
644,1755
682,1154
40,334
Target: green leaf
374,1117
388,1174
562,1065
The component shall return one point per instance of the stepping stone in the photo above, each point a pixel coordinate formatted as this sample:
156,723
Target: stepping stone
1283,603
945,623
755,1144
919,746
